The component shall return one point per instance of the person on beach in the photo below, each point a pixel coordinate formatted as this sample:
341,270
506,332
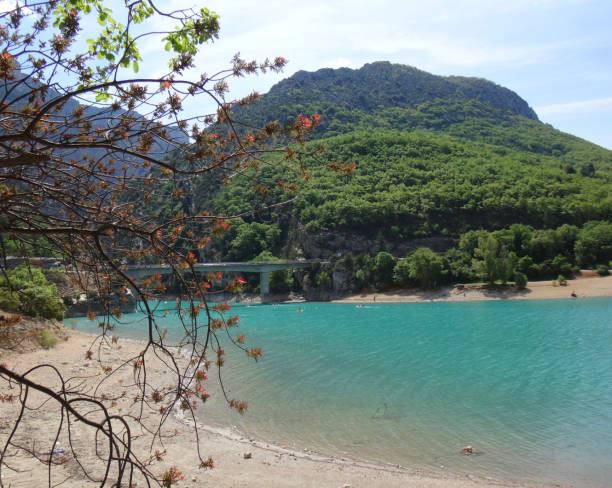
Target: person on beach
573,294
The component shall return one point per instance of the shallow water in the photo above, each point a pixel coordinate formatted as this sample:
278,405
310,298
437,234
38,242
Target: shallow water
527,383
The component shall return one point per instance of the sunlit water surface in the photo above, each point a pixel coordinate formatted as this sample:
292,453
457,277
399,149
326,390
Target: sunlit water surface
527,383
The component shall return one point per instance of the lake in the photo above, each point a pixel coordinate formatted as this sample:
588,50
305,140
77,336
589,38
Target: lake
527,383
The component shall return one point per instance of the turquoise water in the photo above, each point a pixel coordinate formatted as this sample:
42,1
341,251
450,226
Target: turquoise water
527,383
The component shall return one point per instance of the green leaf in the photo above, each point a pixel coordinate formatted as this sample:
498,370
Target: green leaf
102,97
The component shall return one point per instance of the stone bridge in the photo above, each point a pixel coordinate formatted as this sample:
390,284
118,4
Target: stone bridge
263,268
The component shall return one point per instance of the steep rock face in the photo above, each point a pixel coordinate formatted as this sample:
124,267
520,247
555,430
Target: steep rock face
324,245
495,95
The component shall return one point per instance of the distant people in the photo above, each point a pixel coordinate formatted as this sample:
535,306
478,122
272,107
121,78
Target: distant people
374,297
573,294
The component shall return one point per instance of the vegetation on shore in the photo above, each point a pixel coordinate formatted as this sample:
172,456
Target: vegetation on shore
26,290
454,178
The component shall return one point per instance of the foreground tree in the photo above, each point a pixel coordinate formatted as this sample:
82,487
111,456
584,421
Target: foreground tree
83,145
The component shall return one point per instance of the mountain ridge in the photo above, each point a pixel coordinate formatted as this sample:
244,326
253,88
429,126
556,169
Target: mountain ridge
381,85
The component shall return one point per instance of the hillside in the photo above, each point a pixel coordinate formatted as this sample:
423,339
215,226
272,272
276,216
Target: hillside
385,96
426,183
414,160
434,156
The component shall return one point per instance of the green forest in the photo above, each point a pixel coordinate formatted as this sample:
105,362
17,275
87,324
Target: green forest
455,179
413,180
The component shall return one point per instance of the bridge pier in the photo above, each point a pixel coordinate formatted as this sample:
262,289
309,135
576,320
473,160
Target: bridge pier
264,285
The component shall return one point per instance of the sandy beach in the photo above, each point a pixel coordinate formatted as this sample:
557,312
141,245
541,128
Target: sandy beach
588,285
267,466
238,461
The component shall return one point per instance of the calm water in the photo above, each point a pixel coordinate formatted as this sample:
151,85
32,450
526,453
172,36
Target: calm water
527,383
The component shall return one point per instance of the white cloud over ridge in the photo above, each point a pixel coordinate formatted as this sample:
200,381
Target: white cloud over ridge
576,108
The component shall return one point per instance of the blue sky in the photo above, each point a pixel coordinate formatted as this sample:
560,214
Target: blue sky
556,54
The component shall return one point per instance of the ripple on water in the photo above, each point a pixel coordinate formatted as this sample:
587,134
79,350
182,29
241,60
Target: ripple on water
527,383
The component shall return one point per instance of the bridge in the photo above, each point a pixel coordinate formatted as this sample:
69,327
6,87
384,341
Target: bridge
263,268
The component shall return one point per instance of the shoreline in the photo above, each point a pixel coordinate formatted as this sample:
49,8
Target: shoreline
589,285
585,287
268,465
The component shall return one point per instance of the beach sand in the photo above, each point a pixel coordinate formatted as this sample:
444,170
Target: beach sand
588,285
268,466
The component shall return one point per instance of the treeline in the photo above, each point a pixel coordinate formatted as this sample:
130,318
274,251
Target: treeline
516,254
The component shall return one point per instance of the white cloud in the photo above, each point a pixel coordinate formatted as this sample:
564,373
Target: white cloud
575,108
440,49
436,35
340,63
9,5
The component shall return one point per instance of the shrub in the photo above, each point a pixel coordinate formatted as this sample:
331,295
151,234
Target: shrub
47,339
492,262
520,280
562,266
281,281
561,280
27,291
9,301
42,301
594,243
383,267
423,266
602,270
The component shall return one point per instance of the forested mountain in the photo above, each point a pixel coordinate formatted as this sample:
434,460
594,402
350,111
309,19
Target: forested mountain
385,96
416,160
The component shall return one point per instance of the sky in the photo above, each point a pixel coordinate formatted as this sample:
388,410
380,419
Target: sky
556,54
